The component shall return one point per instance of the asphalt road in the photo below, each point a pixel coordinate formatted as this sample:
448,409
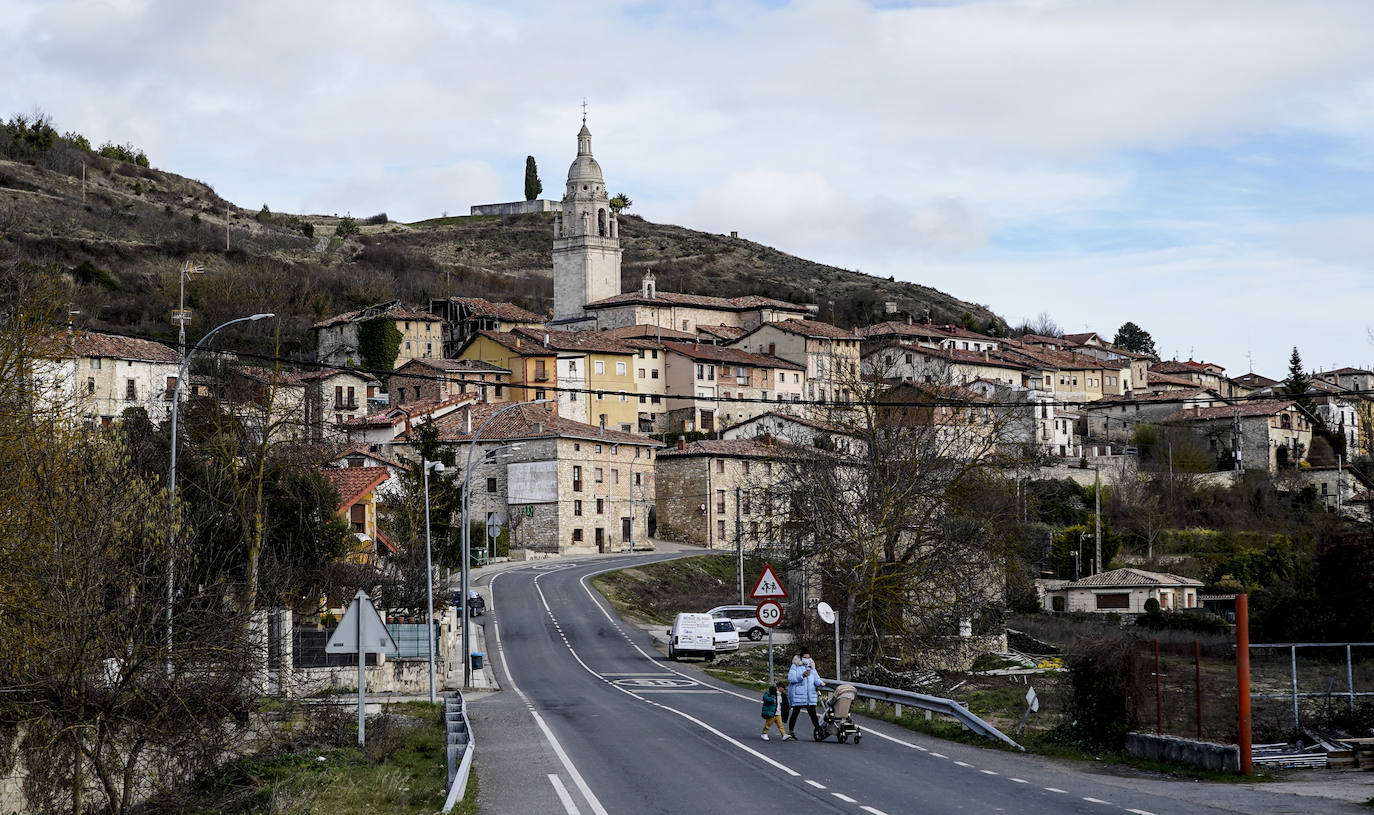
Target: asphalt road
593,719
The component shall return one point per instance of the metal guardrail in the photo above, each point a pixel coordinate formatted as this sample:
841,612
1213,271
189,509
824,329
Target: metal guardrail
934,704
460,747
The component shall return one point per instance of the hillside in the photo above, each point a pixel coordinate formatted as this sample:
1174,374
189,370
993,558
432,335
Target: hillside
117,239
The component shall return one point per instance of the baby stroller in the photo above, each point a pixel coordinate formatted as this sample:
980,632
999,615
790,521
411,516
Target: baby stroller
835,717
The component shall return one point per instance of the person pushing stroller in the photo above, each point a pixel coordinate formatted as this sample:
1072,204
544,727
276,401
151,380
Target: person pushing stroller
802,684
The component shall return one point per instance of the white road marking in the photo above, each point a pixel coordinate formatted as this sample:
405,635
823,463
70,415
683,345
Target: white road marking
577,778
989,772
873,811
818,785
1056,789
1096,801
963,764
1020,780
1140,811
843,797
568,805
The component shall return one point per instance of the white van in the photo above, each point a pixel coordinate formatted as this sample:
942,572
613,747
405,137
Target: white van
692,635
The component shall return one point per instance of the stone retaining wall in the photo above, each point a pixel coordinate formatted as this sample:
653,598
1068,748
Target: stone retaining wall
1200,754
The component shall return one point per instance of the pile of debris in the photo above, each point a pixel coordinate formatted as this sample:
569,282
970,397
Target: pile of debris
917,680
1318,750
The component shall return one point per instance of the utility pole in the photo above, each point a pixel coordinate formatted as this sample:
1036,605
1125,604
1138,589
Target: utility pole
739,545
1097,518
187,270
226,227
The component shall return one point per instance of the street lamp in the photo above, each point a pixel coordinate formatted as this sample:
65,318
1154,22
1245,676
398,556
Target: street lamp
172,470
438,467
467,529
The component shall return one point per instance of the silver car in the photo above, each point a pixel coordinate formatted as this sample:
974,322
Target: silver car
742,617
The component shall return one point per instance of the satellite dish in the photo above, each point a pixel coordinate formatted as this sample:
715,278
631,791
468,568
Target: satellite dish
827,613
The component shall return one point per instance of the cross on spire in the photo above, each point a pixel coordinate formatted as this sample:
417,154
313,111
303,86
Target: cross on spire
584,110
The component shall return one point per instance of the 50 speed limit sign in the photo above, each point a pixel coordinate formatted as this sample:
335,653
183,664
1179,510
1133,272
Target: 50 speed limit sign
768,613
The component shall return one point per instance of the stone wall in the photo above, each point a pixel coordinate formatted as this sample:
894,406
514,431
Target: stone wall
1173,750
516,207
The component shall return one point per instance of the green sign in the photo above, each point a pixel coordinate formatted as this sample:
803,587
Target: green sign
528,510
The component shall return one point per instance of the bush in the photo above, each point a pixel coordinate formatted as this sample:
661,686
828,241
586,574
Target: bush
1158,620
124,152
376,220
346,227
1151,606
1105,691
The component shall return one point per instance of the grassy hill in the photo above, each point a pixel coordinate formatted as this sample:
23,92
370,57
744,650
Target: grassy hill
116,238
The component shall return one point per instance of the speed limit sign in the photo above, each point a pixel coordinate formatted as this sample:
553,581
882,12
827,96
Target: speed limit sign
768,613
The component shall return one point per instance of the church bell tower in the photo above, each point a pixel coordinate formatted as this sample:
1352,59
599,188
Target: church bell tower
586,238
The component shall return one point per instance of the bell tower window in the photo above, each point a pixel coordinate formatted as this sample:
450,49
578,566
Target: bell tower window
601,222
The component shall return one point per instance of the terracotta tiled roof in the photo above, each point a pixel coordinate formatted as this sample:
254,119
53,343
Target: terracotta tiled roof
668,298
1173,366
993,359
355,482
816,424
480,307
644,331
414,409
723,448
1081,338
722,332
530,421
1266,407
1182,394
1061,360
364,450
729,356
1340,371
1167,379
593,341
1041,339
814,329
1254,380
1133,577
111,346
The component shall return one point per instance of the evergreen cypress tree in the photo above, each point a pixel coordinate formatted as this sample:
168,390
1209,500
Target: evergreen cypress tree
532,185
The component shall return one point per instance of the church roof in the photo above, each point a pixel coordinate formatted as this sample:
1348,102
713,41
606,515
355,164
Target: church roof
670,298
584,168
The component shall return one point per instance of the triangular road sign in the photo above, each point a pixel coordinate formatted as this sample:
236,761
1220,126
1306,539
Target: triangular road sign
376,639
768,585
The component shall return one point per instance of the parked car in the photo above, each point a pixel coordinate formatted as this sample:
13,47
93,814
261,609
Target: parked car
742,617
693,634
726,637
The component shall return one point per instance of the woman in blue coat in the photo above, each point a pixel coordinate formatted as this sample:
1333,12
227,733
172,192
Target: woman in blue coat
802,684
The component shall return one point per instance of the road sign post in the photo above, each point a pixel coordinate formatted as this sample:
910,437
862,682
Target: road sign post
829,617
360,628
768,589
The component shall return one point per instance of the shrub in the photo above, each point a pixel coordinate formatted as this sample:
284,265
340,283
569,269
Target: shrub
377,220
307,229
346,227
1105,690
1152,606
124,152
1158,620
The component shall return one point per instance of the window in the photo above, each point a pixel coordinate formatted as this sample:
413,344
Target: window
720,530
599,475
601,506
701,371
615,476
1122,600
620,369
577,506
407,347
597,449
720,465
539,393
95,363
754,528
577,478
638,482
720,502
744,503
577,536
599,366
131,390
357,517
653,374
90,384
541,373
746,467
491,485
641,373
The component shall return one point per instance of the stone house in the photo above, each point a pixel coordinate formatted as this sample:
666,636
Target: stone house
377,431
709,492
1361,383
948,337
830,355
336,338
566,486
1242,386
421,379
803,431
333,397
1203,374
1115,420
1249,435
717,385
533,366
98,376
465,316
1120,591
922,364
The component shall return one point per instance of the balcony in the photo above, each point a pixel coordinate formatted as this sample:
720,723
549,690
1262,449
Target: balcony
346,405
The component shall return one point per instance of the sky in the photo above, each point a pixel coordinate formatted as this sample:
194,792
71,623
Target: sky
1203,169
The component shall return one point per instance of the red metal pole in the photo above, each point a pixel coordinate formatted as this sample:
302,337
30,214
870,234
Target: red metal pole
1247,766
1159,706
1197,685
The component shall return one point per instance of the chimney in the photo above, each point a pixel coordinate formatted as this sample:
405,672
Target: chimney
681,443
467,419
546,339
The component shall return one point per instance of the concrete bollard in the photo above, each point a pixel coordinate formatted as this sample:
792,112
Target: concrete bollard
897,710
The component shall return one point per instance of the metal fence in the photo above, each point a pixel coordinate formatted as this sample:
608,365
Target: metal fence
1312,684
307,645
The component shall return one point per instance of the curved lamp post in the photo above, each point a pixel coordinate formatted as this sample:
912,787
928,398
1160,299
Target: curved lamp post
467,530
438,467
172,470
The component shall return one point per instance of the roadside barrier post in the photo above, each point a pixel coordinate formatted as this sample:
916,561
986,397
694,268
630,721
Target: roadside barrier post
1247,766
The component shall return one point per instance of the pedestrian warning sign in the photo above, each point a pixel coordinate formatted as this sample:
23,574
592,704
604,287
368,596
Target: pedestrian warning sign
768,585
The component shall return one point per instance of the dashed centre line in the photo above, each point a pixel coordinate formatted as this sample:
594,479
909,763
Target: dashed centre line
843,797
818,785
1096,801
